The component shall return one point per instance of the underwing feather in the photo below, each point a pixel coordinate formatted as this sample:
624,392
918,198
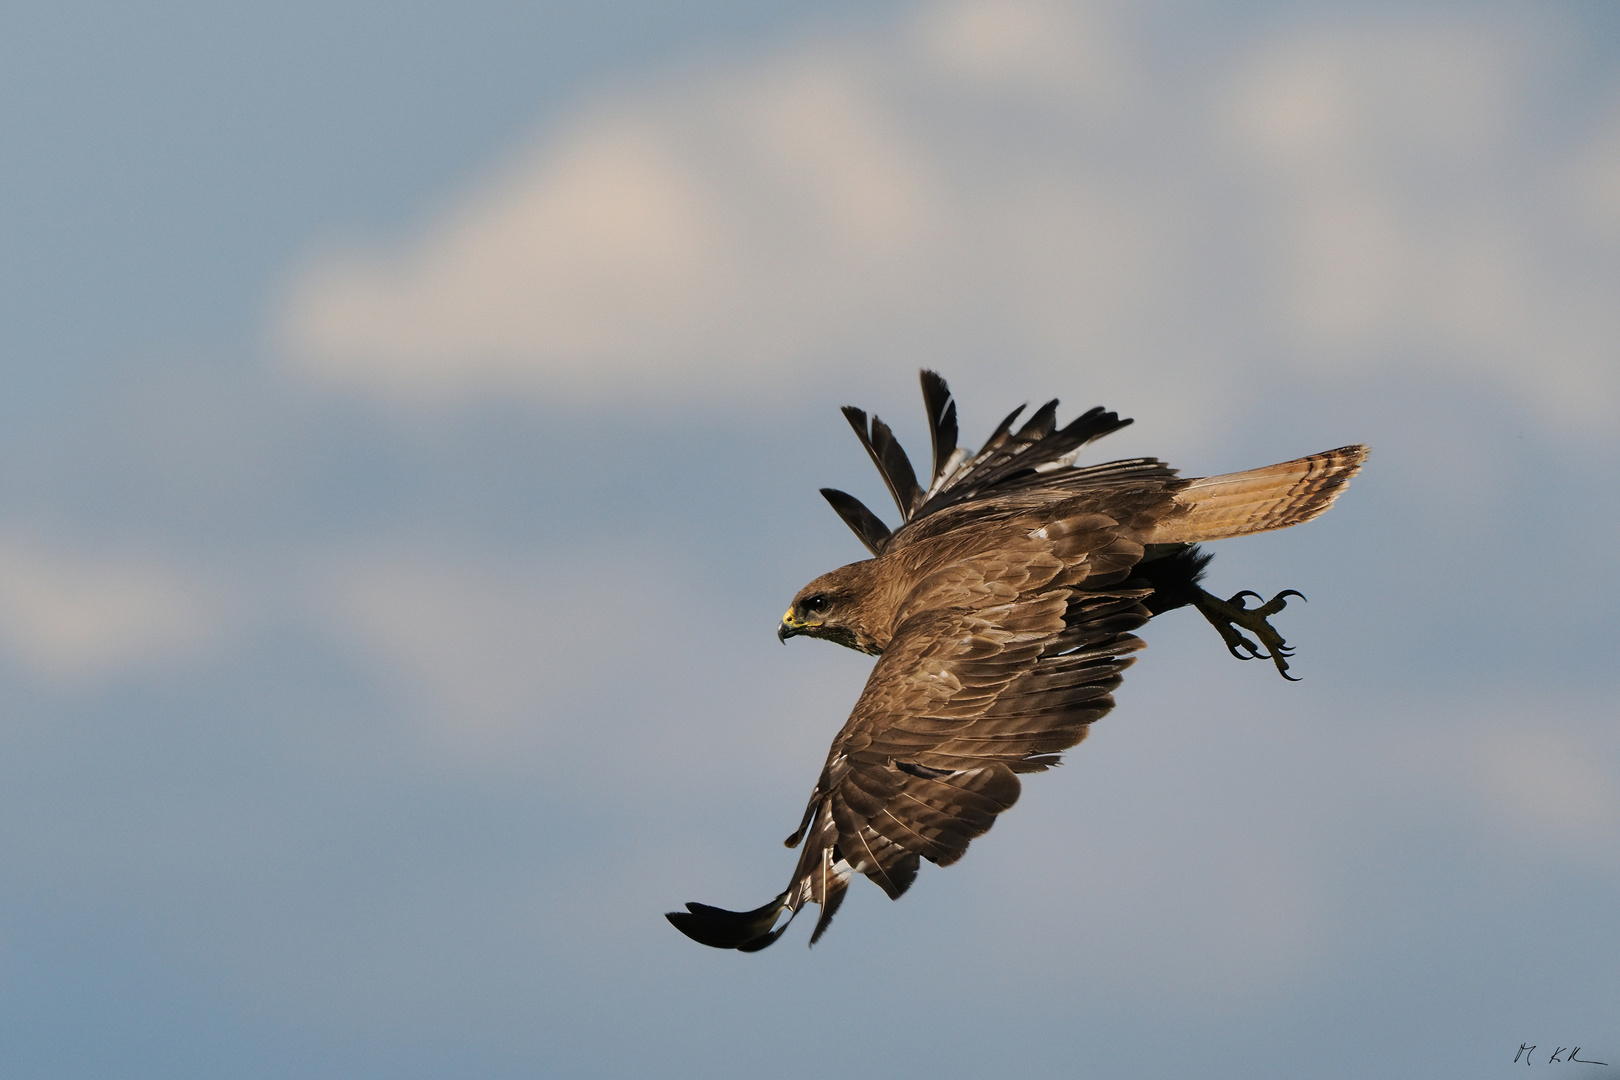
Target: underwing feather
1002,612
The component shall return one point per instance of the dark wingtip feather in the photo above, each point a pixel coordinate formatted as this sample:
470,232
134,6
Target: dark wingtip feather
891,461
896,468
745,931
862,522
1041,423
941,421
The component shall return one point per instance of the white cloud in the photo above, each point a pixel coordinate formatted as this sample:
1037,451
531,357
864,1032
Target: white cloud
1551,781
1042,48
1232,916
535,275
1537,785
1028,173
71,618
748,224
552,658
650,244
1393,158
480,655
1595,179
1548,786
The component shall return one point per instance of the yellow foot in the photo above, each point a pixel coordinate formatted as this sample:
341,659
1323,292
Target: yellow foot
1227,615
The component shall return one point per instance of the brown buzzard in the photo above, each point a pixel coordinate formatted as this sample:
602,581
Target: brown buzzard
1001,614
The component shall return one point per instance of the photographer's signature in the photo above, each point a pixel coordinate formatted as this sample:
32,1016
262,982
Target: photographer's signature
1559,1056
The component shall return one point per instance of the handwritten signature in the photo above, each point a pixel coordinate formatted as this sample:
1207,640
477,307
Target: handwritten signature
1560,1056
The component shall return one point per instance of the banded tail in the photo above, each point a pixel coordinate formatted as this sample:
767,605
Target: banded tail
1258,500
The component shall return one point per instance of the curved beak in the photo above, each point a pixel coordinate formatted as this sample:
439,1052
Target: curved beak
790,627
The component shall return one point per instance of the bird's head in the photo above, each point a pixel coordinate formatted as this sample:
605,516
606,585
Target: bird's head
832,607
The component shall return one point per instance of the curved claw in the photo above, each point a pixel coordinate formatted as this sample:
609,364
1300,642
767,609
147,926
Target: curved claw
1244,649
1227,615
1278,602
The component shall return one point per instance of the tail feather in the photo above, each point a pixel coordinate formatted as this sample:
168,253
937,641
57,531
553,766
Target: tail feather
1258,500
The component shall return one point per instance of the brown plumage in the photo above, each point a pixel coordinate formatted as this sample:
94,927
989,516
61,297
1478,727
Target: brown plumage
1001,613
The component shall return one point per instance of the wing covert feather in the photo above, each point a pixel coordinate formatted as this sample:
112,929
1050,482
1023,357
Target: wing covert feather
960,702
1003,607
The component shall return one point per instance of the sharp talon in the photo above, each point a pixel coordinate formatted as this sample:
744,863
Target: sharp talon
1228,615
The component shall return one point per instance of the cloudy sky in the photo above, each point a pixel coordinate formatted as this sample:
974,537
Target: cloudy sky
411,424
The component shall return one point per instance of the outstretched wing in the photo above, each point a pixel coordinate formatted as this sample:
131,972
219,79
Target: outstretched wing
960,702
1037,459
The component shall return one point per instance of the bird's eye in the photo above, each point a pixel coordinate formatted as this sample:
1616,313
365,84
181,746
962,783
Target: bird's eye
815,605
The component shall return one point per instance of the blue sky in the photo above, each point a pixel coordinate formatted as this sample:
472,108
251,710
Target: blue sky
412,426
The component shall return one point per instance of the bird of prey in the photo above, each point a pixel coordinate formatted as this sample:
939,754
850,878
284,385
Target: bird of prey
1001,612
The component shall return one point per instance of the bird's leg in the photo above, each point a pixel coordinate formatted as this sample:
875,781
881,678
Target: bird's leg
1227,615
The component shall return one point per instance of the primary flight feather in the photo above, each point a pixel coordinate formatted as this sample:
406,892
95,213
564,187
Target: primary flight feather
1001,612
